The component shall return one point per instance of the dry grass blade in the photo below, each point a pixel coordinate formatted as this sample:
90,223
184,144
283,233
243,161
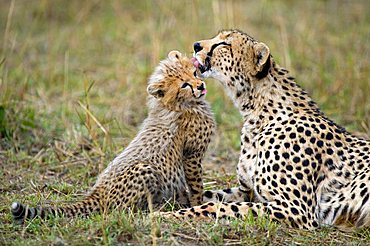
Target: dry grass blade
185,236
8,23
94,118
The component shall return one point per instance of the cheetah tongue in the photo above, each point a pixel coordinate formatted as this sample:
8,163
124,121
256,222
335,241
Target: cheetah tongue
204,92
195,62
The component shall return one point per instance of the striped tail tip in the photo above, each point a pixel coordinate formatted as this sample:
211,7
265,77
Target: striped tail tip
21,212
18,211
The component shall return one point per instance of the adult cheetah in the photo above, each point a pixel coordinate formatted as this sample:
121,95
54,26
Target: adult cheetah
164,160
296,165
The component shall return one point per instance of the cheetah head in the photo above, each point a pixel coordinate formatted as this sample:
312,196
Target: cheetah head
230,55
174,83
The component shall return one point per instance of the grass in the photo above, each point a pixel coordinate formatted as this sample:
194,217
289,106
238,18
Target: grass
72,92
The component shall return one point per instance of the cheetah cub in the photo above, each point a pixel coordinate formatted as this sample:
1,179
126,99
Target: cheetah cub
163,161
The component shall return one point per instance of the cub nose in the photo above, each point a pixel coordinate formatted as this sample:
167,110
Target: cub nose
197,47
201,87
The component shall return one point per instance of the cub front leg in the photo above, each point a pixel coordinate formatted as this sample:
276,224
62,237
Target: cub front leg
193,173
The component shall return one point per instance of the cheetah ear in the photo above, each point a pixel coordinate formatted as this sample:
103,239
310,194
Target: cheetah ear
155,90
174,55
262,53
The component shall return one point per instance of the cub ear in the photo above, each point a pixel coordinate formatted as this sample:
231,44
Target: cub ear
262,53
155,90
174,55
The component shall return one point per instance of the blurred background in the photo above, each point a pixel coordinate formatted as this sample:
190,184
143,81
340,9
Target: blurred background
73,80
73,74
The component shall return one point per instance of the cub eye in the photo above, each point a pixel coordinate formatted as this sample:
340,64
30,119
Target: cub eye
185,85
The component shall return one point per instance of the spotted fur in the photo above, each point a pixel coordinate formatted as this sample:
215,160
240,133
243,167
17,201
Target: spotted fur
297,165
164,160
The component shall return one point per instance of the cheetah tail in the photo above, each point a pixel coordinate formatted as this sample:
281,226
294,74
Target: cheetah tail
85,207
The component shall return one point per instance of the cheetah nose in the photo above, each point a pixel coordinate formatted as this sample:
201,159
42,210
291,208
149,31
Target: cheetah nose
197,47
201,87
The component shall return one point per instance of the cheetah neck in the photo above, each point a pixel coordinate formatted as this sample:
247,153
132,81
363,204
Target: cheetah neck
274,97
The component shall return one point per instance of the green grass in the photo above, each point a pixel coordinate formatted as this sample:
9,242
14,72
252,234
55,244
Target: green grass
72,93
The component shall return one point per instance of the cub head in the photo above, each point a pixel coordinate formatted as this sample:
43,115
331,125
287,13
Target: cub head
230,55
174,83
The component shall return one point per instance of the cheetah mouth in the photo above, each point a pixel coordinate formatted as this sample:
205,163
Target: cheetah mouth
202,93
201,68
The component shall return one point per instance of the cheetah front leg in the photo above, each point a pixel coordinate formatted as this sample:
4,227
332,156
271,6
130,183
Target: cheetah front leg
244,192
235,194
274,210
